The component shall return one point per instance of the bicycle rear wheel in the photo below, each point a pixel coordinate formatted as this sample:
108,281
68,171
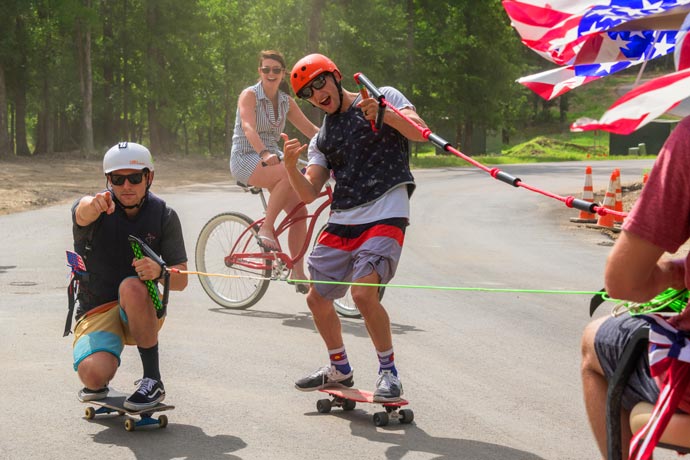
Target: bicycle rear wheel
345,306
216,240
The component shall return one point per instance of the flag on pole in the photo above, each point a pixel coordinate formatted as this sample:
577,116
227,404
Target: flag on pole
641,105
669,360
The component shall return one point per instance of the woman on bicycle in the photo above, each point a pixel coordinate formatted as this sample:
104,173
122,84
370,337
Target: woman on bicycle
262,110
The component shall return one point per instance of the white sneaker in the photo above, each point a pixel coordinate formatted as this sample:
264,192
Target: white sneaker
388,388
325,377
86,394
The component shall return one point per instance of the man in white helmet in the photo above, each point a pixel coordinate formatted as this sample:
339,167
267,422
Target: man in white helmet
114,305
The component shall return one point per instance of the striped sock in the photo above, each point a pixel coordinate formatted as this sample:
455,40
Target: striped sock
387,361
339,359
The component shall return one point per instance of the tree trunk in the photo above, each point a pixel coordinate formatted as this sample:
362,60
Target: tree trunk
315,22
5,147
563,108
469,133
162,137
228,100
107,134
85,81
45,143
460,145
20,120
20,90
409,76
313,40
45,129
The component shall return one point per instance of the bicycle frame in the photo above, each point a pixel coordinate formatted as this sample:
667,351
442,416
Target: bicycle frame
265,260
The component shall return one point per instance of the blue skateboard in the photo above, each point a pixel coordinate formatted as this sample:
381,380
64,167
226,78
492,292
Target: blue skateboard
115,403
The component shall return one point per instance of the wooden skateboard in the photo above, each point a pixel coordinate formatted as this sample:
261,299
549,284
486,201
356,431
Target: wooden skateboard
347,398
115,401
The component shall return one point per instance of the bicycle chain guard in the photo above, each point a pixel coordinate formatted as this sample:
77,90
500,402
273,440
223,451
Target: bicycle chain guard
279,270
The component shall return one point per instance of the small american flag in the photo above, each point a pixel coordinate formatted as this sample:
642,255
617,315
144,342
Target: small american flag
669,358
75,261
641,105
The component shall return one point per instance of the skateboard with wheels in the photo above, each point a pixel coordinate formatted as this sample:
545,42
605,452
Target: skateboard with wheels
115,402
347,398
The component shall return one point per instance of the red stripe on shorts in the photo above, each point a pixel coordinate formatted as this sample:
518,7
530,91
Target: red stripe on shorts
350,244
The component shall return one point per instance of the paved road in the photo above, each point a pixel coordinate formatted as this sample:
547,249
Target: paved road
490,375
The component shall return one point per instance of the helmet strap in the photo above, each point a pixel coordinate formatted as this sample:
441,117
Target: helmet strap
339,85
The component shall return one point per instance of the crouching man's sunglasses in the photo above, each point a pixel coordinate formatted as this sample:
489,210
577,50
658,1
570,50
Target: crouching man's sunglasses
134,178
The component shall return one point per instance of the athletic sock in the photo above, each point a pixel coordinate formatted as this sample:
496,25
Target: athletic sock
149,359
339,360
387,361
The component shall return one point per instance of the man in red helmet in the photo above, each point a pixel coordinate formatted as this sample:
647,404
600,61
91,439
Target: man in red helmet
370,211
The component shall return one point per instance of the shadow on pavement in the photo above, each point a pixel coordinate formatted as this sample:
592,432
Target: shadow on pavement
174,441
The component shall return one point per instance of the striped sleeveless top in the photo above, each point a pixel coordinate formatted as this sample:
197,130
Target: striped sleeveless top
243,157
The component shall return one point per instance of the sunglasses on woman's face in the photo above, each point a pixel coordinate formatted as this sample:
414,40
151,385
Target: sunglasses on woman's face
308,91
119,179
275,70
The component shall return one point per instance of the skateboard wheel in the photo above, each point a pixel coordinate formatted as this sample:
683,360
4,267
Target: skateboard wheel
130,425
163,421
349,404
323,406
90,413
381,419
406,416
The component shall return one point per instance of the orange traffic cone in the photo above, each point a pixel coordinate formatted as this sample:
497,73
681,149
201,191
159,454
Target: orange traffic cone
619,198
607,220
587,195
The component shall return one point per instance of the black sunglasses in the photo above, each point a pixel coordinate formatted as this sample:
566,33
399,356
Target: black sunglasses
308,90
275,70
134,178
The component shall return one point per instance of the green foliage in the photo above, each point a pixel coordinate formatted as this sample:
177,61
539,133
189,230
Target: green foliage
177,66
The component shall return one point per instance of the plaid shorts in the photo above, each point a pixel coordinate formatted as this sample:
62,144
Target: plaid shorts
350,252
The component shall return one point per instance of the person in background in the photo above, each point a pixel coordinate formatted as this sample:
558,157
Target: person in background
637,270
262,110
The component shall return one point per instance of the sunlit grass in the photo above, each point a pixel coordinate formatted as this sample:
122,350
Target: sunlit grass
538,150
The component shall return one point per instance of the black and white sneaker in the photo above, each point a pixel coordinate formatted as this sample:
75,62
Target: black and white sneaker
388,388
325,377
87,394
148,395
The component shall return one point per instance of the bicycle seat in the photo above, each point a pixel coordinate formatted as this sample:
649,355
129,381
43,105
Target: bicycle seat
249,188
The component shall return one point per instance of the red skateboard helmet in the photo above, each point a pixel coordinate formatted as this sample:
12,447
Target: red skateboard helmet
310,67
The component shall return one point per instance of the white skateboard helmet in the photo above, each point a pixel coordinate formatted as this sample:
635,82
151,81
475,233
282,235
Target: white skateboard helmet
127,155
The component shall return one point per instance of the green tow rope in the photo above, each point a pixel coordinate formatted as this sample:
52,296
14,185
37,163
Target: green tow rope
449,288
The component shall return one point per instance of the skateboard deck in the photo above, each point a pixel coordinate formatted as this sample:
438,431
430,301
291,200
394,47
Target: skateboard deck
115,402
347,399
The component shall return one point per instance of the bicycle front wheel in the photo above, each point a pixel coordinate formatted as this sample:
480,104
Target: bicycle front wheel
345,306
242,286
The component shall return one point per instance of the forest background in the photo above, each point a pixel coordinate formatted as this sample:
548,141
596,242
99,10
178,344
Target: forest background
80,75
